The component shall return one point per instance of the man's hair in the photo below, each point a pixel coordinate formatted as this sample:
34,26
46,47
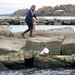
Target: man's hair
33,6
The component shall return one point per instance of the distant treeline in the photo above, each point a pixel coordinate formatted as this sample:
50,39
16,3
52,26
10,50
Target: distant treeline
61,10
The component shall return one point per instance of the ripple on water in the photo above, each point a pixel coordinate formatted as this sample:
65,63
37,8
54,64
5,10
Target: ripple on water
35,71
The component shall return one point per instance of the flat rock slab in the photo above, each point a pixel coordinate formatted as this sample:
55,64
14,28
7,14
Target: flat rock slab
54,32
38,43
11,44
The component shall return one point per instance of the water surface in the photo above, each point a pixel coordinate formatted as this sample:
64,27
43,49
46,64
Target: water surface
34,71
20,28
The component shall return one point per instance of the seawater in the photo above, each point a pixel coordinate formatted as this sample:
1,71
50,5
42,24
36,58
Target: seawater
35,71
20,28
46,17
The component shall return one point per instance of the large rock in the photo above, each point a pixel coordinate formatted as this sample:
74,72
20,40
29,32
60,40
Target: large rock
52,39
10,44
68,45
7,33
38,43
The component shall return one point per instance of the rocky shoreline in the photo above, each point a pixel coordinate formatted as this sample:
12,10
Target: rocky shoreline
40,21
16,52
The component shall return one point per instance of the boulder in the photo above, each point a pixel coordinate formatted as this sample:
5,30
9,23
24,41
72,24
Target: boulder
38,43
52,39
7,33
68,45
10,44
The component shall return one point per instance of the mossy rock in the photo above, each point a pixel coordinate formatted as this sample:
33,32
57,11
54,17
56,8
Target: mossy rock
49,62
14,65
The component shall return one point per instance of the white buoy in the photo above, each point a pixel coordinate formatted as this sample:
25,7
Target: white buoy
44,51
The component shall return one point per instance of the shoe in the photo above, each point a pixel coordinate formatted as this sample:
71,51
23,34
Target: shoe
32,36
22,35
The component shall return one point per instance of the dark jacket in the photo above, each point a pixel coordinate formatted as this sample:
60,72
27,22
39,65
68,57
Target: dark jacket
29,17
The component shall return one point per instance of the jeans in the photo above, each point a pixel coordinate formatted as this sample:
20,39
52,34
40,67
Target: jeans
30,28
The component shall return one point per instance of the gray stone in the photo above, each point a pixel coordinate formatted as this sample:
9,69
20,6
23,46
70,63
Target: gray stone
10,44
54,39
68,45
38,43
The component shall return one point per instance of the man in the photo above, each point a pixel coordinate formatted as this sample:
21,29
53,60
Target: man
29,20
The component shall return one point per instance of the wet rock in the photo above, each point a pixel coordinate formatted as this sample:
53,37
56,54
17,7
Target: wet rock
2,67
49,62
13,65
14,22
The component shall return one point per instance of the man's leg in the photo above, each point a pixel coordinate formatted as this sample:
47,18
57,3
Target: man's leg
26,30
31,30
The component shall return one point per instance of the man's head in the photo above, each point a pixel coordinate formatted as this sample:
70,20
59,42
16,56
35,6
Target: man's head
33,7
